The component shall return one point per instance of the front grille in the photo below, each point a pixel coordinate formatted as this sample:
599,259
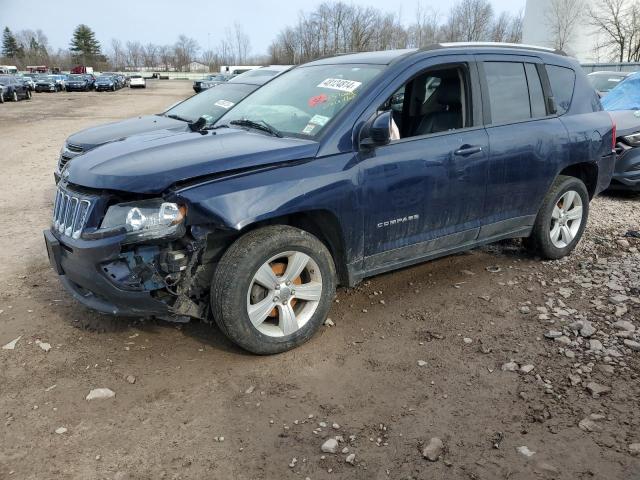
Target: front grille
70,151
70,213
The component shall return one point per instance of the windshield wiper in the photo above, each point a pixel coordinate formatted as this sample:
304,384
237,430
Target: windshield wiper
178,117
258,125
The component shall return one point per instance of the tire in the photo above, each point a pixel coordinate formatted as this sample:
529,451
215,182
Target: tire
27,95
235,290
555,232
14,96
113,89
1,97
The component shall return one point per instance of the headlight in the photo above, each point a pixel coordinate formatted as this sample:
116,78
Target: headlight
146,220
633,140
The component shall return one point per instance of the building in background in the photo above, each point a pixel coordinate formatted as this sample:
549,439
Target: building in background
580,39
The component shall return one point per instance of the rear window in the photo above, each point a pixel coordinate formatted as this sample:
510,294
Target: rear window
562,82
508,92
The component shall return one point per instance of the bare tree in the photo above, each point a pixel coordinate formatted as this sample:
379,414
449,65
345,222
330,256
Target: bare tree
185,50
615,19
473,18
118,56
562,17
150,55
424,31
166,57
134,55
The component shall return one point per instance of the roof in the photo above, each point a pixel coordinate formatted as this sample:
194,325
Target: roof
385,57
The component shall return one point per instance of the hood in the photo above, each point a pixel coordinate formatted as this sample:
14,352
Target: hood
109,132
627,121
151,163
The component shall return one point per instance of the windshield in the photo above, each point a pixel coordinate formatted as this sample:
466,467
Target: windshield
303,101
604,83
104,78
626,96
211,104
76,78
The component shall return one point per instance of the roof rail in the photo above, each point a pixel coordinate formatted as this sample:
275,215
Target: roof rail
500,45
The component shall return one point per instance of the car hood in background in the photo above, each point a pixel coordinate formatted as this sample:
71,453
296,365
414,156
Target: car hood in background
151,163
109,132
627,121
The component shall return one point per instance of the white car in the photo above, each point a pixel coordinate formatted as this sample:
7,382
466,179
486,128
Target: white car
137,81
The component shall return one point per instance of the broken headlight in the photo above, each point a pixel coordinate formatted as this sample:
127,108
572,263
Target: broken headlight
146,220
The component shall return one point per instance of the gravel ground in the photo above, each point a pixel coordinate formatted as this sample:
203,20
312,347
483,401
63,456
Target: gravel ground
485,365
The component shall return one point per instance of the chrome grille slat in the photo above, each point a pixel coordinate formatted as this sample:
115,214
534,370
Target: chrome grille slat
70,213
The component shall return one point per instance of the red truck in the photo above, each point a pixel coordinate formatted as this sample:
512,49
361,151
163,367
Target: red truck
80,69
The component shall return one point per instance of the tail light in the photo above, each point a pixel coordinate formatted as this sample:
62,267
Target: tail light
614,135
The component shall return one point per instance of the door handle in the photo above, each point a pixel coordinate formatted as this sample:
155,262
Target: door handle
466,150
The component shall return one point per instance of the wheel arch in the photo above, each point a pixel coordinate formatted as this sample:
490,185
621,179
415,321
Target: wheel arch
585,171
321,223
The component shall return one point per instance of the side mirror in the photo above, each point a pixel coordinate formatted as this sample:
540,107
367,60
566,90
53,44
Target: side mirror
377,132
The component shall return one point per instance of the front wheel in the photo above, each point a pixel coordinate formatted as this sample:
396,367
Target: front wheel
561,220
14,96
28,95
273,289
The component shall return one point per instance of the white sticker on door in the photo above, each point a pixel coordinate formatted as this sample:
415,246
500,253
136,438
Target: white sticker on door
340,84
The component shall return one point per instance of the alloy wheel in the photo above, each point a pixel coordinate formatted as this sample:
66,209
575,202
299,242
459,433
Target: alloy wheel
566,219
284,294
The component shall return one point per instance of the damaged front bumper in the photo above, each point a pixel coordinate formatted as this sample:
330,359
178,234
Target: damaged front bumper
138,281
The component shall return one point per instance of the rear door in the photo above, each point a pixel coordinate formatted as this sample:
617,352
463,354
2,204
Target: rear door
526,141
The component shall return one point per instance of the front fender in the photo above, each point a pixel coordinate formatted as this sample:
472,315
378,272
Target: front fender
234,203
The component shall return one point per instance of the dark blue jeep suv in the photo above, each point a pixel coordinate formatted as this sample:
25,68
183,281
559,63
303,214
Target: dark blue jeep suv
340,169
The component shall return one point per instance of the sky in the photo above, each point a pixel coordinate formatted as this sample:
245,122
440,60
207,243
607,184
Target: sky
161,21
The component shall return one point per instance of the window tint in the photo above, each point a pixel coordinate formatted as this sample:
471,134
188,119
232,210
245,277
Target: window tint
508,91
536,95
562,82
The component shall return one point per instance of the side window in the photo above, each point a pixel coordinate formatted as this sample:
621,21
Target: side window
562,82
536,94
435,101
508,91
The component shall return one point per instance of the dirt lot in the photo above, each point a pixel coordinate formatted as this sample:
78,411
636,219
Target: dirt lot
421,353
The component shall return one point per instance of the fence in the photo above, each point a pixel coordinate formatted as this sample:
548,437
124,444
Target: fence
611,67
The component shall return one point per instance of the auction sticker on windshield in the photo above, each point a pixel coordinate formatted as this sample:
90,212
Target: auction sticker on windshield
320,120
226,104
340,84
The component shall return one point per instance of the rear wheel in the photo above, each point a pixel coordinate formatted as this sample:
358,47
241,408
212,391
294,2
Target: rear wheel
273,289
1,97
14,96
27,94
561,220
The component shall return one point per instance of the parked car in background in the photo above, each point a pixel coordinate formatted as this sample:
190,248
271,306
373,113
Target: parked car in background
210,81
91,78
118,80
13,89
27,80
78,83
625,96
106,82
604,82
307,183
48,83
209,105
137,81
626,175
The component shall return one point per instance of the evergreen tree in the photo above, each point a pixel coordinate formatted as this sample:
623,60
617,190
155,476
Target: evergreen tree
10,47
84,45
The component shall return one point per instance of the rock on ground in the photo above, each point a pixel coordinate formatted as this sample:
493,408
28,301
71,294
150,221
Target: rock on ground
433,449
